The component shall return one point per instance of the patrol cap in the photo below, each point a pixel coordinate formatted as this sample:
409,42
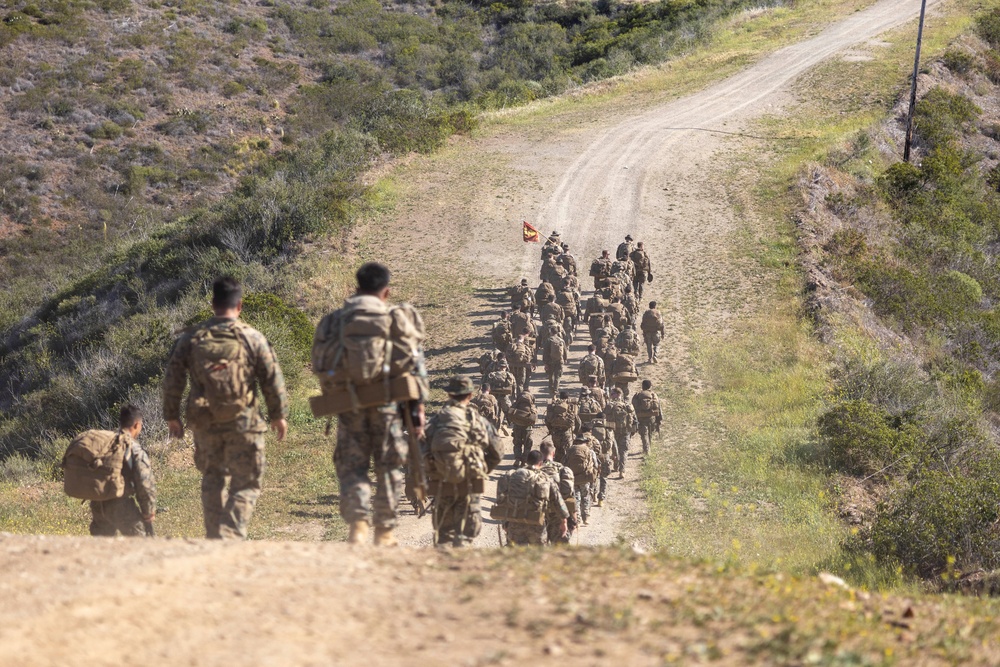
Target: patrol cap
459,385
580,438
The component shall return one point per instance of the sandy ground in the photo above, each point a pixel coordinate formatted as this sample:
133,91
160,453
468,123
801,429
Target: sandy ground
594,174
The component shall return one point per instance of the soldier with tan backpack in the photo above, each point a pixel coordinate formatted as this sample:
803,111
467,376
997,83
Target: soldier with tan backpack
526,498
368,356
112,471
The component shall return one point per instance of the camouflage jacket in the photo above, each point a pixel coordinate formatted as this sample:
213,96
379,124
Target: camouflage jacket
488,407
263,372
562,481
138,474
641,261
641,400
619,416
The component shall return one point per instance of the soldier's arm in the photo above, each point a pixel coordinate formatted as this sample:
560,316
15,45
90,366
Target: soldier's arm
555,499
271,380
175,378
142,481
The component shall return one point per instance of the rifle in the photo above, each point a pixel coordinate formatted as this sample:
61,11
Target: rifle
415,460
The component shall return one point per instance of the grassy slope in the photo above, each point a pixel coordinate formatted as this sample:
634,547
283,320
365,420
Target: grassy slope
756,498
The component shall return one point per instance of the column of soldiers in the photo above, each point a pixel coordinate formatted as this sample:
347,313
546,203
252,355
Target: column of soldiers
221,365
587,435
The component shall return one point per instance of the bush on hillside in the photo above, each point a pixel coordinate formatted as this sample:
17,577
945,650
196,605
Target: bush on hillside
864,440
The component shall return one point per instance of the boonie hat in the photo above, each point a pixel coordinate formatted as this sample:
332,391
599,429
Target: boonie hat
459,385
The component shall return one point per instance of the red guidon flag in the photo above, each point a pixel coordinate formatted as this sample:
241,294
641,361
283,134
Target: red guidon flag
531,234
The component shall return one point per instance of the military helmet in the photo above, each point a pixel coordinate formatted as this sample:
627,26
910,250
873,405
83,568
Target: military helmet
459,385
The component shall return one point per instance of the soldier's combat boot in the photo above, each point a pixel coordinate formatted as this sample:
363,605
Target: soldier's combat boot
384,537
359,532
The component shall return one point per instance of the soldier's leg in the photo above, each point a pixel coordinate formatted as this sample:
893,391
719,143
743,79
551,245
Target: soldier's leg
209,452
445,527
473,521
101,522
656,347
244,460
389,460
644,430
351,458
621,437
582,493
649,349
602,488
127,517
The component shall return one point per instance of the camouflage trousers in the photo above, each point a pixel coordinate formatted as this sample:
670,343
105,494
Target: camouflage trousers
370,435
646,434
562,439
582,494
118,515
522,441
637,285
522,375
621,440
553,530
652,345
240,457
457,519
554,374
524,534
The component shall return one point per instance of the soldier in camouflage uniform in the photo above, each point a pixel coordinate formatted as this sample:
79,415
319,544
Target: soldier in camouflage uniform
608,455
374,435
652,331
559,526
123,515
620,417
648,414
643,269
529,534
501,333
464,451
525,403
235,448
488,406
562,436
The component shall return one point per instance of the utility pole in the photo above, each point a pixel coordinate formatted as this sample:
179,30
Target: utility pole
913,86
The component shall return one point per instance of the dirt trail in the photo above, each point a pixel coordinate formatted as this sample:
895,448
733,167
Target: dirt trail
658,174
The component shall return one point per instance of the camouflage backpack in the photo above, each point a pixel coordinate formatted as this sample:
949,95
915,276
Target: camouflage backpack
589,366
618,415
555,349
520,354
521,497
589,408
366,341
645,404
628,341
92,466
456,446
580,459
561,414
220,364
501,383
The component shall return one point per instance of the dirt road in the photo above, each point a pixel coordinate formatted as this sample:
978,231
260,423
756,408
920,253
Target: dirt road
596,175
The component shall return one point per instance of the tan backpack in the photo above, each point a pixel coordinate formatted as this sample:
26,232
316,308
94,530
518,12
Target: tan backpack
356,344
92,466
561,414
646,405
521,497
580,459
220,365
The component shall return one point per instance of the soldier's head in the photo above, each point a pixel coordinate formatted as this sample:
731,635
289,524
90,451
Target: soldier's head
534,459
546,451
591,381
604,253
373,280
586,428
639,245
628,289
652,305
607,319
591,348
486,388
459,388
502,362
563,394
646,384
565,247
504,315
130,420
584,391
628,237
616,393
524,281
227,297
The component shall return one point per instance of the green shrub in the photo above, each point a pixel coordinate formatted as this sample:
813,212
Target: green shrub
865,440
106,130
958,61
941,115
945,519
988,26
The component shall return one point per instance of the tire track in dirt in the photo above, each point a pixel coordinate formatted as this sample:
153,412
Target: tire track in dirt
651,175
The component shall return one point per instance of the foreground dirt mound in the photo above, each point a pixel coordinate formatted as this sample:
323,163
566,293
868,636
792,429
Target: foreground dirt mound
79,601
